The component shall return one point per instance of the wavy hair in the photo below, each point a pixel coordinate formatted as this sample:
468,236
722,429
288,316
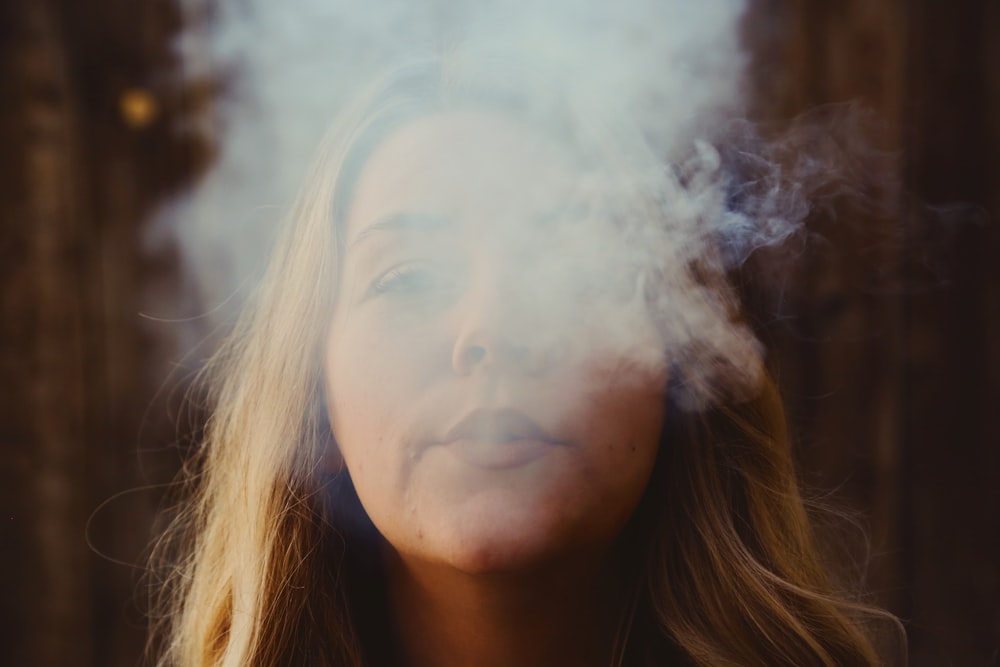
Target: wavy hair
269,559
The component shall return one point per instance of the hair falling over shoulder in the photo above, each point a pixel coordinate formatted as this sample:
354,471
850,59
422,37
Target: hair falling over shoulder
734,573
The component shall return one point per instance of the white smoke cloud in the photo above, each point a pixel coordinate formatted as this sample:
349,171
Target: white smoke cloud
671,67
669,64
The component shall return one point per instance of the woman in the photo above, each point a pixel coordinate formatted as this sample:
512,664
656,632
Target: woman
493,405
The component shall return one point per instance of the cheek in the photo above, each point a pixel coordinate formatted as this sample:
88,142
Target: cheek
375,380
623,418
622,394
628,418
371,371
360,407
635,408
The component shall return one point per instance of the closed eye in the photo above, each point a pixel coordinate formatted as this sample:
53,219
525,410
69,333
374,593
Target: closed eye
413,281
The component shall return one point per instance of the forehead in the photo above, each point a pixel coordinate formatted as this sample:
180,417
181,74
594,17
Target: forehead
464,166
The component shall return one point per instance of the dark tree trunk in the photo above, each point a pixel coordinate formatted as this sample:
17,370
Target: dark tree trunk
891,362
78,177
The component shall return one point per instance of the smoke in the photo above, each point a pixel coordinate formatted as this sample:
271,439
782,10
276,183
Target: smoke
668,71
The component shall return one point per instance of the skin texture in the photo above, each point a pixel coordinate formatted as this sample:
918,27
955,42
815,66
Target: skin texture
479,310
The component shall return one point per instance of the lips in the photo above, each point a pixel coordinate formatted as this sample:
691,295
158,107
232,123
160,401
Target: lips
498,439
497,426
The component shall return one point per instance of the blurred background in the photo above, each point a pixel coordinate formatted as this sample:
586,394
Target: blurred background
885,341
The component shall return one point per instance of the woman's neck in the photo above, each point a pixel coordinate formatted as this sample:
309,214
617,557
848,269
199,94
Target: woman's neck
562,614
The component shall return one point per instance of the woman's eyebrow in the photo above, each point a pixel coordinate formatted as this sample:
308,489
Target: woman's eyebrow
398,222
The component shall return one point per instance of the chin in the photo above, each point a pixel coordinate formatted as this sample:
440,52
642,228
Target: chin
502,545
499,556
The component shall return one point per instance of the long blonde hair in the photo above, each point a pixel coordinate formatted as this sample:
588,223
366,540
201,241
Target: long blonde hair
265,562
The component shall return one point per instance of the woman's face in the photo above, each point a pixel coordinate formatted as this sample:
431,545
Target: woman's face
496,397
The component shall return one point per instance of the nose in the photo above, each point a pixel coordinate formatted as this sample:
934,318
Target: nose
483,348
499,332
